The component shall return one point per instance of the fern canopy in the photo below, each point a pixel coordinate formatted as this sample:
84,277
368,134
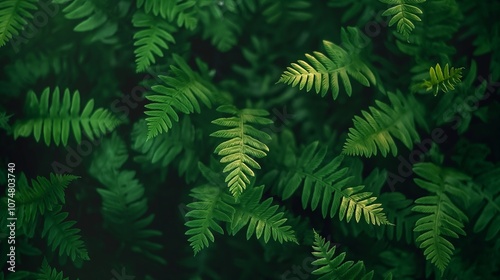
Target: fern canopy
323,71
443,80
180,92
56,118
335,268
13,16
375,132
404,13
442,217
245,143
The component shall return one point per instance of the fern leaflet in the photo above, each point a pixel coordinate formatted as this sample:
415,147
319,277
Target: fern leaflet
322,71
334,268
261,218
320,182
13,16
60,233
377,130
56,118
404,13
489,216
443,218
48,273
244,142
444,80
181,92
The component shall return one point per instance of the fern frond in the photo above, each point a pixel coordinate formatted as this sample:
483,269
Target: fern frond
180,92
111,156
93,19
55,118
489,216
404,12
154,36
244,142
43,196
276,10
13,16
443,218
376,130
442,79
323,71
263,219
60,233
48,273
210,207
334,268
321,183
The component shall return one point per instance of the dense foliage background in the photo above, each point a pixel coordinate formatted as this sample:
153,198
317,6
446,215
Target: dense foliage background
207,139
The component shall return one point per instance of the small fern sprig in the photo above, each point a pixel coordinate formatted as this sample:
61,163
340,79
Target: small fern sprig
330,267
56,119
263,219
323,71
13,16
181,91
442,79
404,13
244,142
375,132
442,217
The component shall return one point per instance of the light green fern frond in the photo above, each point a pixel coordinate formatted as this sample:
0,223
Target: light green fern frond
180,92
442,217
326,184
60,233
56,118
210,207
244,144
404,12
13,16
151,40
323,71
335,268
263,219
442,79
375,132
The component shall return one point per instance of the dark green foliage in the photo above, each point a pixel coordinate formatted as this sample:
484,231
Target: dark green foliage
201,153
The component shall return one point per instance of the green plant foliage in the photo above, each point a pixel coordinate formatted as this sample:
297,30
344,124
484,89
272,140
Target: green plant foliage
323,71
13,16
56,118
442,79
375,132
489,218
181,92
442,217
331,267
245,143
404,13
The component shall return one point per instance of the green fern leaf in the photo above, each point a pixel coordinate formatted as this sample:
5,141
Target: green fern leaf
442,217
323,71
321,183
181,92
42,197
210,207
154,36
489,217
244,142
262,219
55,118
377,130
13,16
60,233
335,268
276,10
48,273
404,13
444,80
